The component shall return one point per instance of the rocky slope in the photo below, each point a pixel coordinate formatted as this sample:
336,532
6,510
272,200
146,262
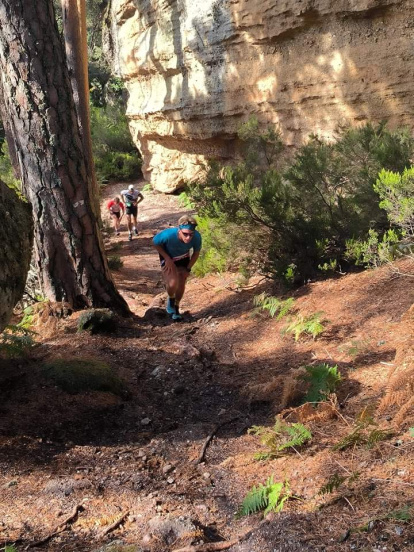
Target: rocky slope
196,69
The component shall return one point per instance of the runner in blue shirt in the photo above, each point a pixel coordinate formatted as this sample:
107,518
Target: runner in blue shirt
174,246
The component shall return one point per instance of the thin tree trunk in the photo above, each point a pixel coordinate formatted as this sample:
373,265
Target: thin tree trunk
76,45
43,126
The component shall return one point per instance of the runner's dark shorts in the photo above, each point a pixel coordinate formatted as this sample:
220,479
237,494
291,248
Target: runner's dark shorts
179,262
131,210
117,214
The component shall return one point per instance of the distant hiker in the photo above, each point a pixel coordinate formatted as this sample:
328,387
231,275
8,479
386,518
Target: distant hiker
116,209
174,246
132,197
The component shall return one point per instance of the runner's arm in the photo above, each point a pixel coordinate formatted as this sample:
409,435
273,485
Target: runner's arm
163,253
193,259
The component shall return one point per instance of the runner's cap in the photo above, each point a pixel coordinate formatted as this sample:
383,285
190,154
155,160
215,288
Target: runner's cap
131,187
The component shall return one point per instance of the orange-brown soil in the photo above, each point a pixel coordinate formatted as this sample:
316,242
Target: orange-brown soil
195,387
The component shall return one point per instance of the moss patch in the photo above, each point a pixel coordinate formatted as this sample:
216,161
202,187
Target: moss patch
79,375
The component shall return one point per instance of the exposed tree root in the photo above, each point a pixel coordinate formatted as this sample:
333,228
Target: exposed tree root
114,525
59,529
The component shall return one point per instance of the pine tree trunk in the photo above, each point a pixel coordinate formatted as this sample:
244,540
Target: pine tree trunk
42,124
76,45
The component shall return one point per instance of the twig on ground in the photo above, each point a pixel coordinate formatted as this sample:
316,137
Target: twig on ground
346,500
210,436
114,525
343,467
206,443
59,529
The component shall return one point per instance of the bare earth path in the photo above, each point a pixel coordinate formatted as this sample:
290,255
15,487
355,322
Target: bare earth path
165,466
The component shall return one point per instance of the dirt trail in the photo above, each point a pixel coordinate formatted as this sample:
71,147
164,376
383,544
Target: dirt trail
166,466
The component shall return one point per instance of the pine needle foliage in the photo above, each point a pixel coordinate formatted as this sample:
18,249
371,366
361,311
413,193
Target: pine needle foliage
273,305
280,438
268,497
311,325
322,379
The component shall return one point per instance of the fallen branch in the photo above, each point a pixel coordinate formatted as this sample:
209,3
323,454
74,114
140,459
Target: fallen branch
210,436
206,443
114,525
59,529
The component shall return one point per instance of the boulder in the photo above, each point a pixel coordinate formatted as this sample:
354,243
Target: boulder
16,239
196,69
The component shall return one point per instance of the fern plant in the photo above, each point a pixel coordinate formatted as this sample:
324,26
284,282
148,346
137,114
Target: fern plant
362,434
268,497
273,305
322,379
281,437
310,325
15,341
335,481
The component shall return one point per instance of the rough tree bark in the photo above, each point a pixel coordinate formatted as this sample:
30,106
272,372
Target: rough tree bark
76,44
43,126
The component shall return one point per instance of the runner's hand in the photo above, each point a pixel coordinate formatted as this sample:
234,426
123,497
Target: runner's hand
169,266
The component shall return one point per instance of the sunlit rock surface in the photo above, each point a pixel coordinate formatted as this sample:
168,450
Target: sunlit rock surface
196,69
16,239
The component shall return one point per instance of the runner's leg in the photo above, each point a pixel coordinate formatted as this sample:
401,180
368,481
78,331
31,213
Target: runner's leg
182,279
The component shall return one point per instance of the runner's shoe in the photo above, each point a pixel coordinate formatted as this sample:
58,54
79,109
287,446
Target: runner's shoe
171,305
177,316
130,236
136,231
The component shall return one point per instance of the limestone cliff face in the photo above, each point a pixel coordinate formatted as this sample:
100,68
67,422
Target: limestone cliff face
16,239
196,69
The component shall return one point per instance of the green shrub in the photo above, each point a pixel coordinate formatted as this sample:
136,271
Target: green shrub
97,321
273,305
223,249
267,497
280,438
297,218
120,166
83,374
309,325
115,262
396,192
16,341
116,157
322,380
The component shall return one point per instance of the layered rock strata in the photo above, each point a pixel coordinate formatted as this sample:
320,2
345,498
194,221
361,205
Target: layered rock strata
16,239
196,69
